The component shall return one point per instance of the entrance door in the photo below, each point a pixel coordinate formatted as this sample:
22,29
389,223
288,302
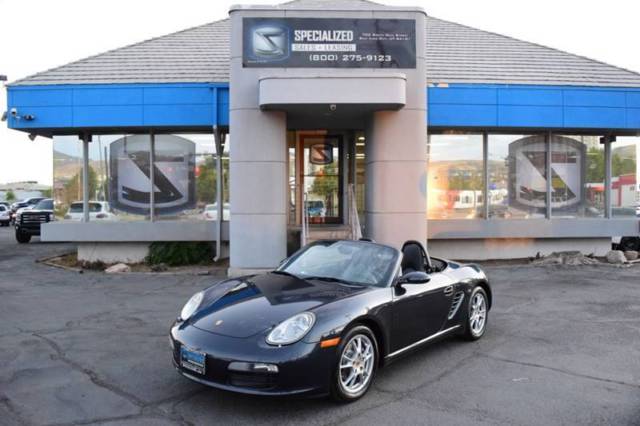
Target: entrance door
320,163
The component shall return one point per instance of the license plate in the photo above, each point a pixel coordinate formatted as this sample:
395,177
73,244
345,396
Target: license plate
192,360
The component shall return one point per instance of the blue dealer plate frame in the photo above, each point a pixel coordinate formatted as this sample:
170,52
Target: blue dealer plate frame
193,360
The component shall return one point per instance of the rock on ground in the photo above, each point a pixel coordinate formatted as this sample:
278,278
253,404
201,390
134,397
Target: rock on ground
616,257
118,268
631,255
566,258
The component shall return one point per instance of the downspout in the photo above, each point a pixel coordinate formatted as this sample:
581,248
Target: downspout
219,140
86,138
152,177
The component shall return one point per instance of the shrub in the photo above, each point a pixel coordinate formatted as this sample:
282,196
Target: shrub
180,253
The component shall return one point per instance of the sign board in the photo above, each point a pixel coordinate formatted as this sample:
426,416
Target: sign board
528,172
321,153
174,174
329,43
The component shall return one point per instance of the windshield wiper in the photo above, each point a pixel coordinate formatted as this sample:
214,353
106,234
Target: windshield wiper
334,280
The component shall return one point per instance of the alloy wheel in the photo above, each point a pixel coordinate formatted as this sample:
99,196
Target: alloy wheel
478,314
356,364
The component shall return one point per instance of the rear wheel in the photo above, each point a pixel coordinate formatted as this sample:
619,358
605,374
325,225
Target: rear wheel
356,365
477,314
22,237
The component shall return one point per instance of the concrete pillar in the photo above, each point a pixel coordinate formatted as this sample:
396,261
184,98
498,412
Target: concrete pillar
258,181
396,162
396,154
258,170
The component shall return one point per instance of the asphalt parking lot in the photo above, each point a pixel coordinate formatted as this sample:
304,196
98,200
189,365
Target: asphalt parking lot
563,347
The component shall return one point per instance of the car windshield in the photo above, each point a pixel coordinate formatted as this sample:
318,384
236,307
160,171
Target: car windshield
44,205
77,208
351,262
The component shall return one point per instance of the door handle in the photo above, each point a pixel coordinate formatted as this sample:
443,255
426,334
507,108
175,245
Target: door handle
448,291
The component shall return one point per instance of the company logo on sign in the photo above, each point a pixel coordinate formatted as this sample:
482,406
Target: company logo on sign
328,43
270,42
321,153
529,172
173,170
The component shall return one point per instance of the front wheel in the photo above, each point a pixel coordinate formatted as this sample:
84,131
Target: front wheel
356,365
477,314
22,237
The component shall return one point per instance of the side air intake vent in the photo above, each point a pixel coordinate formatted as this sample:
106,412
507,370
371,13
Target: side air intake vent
455,305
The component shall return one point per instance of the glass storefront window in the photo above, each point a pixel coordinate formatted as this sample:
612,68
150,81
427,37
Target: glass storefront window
455,176
577,177
625,171
119,177
293,187
116,176
517,176
186,177
360,177
67,174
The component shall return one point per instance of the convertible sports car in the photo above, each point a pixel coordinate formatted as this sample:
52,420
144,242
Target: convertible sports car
326,319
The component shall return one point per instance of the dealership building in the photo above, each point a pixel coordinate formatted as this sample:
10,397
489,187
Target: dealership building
314,119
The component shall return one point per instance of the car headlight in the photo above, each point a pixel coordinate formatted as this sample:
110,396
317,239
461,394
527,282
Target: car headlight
292,329
191,306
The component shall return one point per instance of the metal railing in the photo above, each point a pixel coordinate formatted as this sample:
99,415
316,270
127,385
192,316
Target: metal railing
354,219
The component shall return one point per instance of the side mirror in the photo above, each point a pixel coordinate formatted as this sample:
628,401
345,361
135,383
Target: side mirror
415,277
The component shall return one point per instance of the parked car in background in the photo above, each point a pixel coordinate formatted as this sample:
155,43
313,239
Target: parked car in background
5,215
98,210
7,205
210,211
627,244
315,208
28,221
26,203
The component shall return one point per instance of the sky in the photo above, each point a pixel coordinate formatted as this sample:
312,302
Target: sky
41,34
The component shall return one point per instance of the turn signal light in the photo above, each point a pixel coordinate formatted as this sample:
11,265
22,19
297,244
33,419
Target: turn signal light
330,342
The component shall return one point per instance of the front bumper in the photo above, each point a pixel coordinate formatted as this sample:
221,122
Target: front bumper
303,368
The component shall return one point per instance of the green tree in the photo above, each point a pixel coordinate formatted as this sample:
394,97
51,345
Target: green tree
207,180
73,188
325,183
46,193
595,165
622,165
10,196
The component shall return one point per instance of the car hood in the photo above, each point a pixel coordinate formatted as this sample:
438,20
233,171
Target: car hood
245,307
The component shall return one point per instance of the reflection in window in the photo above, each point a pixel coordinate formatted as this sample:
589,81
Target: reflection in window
119,177
455,176
577,176
186,177
517,176
67,173
360,177
625,196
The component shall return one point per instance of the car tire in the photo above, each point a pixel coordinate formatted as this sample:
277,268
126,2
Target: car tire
477,314
342,390
22,238
629,244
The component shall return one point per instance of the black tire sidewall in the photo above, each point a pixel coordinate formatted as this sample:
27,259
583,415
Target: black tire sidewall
337,393
469,334
22,238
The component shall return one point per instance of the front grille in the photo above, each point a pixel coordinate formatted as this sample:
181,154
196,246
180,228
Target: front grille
455,304
33,218
252,380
